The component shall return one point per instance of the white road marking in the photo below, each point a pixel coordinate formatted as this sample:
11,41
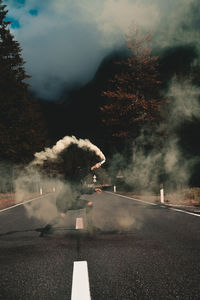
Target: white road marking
80,281
79,223
146,202
22,203
175,209
185,212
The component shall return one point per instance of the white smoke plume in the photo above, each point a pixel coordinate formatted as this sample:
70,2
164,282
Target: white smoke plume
166,160
52,153
185,101
31,183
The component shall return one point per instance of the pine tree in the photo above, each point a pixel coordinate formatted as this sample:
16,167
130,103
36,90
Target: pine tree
11,61
133,95
22,129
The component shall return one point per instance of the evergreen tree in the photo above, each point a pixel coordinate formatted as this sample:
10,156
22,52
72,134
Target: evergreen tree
133,98
22,129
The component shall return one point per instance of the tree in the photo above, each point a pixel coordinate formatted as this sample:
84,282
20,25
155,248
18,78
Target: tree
11,61
22,129
132,97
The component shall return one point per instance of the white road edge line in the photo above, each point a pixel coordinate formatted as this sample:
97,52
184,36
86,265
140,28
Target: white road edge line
80,281
175,209
22,203
146,202
184,211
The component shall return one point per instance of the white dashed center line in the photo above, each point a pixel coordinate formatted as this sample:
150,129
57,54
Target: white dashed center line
79,223
80,281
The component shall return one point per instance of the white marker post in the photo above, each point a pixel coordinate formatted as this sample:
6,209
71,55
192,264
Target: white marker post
41,192
162,194
114,188
54,189
94,178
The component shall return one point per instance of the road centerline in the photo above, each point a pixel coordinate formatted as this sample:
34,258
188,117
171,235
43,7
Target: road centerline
79,223
80,281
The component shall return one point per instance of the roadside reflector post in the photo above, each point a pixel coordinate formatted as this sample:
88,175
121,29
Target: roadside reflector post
115,189
94,178
41,192
54,189
162,200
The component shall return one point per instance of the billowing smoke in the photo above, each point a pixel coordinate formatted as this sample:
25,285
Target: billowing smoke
34,181
162,154
52,153
184,101
180,26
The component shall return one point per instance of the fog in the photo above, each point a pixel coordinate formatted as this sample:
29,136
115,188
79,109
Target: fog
35,180
157,153
65,41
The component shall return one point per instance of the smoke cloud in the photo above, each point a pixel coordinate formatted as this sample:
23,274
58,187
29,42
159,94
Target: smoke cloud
29,184
166,160
33,180
185,104
52,153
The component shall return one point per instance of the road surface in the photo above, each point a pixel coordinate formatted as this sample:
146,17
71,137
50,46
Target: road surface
133,250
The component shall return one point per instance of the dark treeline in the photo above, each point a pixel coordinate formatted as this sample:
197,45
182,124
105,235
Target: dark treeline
22,127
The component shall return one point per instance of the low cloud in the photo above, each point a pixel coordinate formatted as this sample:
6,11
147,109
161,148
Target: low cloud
64,43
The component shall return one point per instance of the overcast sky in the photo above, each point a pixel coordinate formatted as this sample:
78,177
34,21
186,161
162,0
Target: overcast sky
64,41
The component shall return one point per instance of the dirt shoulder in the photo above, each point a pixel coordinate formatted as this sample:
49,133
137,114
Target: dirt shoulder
7,200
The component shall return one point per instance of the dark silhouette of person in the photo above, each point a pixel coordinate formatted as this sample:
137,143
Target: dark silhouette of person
69,198
70,195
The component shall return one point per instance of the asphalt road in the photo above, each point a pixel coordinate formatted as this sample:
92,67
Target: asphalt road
133,250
